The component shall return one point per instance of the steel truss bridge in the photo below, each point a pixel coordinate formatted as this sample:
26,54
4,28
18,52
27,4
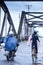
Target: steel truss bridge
31,18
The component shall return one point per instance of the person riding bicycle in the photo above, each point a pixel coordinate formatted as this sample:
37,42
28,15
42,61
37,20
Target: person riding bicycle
34,39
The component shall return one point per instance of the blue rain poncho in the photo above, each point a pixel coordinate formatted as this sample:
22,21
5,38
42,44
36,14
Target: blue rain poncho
11,42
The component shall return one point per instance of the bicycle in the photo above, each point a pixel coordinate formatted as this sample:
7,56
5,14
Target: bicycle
34,55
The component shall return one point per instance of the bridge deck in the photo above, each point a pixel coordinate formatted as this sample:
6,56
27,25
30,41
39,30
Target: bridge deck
23,55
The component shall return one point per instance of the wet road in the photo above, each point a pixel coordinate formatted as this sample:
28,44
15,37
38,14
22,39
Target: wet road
23,55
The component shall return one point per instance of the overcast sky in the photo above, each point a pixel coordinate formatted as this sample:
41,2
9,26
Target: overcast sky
19,6
16,7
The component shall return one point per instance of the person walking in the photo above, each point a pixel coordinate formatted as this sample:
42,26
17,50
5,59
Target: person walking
34,39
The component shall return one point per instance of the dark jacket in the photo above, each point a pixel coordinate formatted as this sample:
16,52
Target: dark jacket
34,39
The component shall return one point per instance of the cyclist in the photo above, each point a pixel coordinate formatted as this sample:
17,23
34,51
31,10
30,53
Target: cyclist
34,39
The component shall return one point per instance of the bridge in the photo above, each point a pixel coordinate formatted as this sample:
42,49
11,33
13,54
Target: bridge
26,27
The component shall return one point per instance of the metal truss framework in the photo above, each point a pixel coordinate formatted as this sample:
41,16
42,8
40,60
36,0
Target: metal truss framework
23,15
5,9
3,24
40,23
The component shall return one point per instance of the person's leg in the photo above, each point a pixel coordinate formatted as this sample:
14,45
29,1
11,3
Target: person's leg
32,55
36,51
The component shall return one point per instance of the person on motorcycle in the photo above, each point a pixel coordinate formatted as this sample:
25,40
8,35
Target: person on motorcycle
11,43
34,42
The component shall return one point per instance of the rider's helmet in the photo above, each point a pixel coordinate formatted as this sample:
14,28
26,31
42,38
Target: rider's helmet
11,33
35,32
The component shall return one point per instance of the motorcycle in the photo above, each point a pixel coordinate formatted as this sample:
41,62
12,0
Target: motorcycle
11,46
10,54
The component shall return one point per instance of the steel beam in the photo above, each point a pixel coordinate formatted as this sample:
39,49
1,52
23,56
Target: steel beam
33,12
9,29
29,25
36,22
21,22
34,16
23,0
4,7
3,24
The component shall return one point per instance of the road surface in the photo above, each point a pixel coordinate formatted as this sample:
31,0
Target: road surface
23,55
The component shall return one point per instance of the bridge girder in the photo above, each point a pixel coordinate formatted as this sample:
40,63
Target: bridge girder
5,9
